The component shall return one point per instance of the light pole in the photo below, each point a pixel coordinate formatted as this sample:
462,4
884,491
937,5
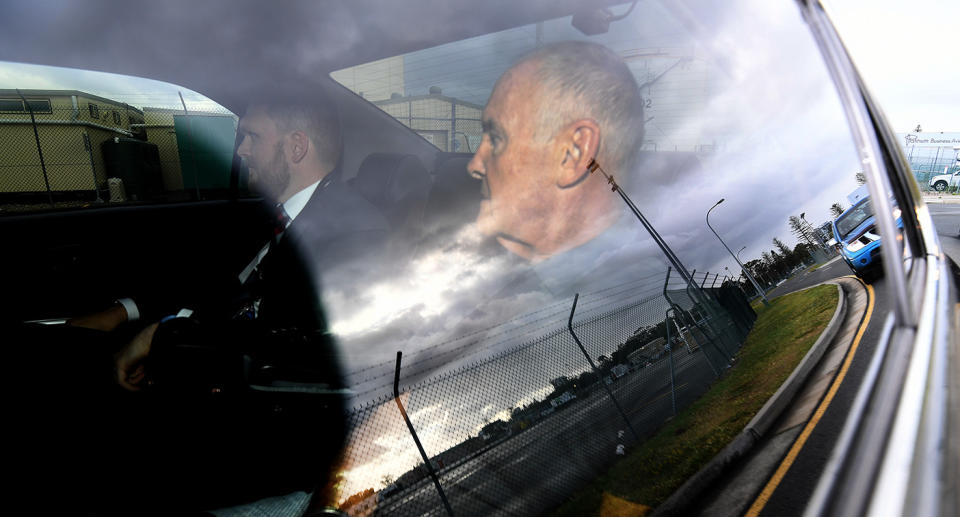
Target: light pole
738,258
742,268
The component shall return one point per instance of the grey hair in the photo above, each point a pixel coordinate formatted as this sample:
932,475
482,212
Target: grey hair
588,80
319,120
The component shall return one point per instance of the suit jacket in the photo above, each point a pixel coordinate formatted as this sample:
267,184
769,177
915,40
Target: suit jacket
337,227
194,449
255,454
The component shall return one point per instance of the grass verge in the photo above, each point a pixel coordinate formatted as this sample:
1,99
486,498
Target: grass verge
782,335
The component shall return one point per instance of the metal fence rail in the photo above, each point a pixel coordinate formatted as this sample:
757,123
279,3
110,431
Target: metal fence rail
517,432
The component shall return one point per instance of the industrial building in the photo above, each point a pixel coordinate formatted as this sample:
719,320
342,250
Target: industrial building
69,143
52,139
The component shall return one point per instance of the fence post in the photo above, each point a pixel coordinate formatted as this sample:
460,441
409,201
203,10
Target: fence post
596,371
413,432
36,136
706,335
673,390
731,296
723,345
717,335
193,145
93,168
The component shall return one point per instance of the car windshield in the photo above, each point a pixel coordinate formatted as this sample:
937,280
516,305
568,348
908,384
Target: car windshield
853,218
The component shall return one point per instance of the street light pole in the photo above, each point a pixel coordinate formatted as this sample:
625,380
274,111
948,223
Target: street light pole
738,258
744,269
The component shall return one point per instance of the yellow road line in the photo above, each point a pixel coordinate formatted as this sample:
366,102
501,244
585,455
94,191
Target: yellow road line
787,462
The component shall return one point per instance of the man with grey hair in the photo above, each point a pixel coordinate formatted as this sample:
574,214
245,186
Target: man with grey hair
549,116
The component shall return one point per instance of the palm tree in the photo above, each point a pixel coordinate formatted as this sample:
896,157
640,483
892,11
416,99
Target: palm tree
836,209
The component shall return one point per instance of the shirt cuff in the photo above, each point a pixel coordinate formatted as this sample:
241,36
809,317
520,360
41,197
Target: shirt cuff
133,314
182,313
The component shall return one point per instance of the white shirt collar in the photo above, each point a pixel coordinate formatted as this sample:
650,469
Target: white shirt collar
295,204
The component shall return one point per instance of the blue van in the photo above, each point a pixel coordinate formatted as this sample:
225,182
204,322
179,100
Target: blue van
858,239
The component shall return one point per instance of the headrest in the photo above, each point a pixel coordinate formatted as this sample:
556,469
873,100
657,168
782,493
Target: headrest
388,178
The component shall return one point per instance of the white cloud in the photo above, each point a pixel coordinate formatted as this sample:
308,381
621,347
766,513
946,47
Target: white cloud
907,53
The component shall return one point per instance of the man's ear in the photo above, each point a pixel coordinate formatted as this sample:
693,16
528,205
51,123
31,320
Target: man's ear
299,145
581,141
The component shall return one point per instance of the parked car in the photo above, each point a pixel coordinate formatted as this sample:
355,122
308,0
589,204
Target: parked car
942,182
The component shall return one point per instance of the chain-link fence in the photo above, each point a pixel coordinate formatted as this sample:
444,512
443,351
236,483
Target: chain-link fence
66,148
929,162
452,125
924,175
517,432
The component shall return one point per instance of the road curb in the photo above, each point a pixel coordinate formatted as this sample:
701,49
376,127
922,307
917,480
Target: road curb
697,484
949,200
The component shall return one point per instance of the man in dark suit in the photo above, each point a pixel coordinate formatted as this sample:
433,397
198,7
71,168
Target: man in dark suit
291,152
273,313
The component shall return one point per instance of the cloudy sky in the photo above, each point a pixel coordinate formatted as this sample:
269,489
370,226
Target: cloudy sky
754,86
907,52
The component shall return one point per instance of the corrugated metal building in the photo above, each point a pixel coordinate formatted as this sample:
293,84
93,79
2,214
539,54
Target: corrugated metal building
70,128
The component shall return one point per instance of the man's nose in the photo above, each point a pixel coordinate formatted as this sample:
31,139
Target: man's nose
243,150
475,166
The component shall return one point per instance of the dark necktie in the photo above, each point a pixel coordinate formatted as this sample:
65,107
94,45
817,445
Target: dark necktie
280,221
253,288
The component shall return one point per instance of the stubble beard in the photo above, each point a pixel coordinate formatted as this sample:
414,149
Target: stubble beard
274,178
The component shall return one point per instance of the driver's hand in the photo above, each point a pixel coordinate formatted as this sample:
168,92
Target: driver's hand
129,361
